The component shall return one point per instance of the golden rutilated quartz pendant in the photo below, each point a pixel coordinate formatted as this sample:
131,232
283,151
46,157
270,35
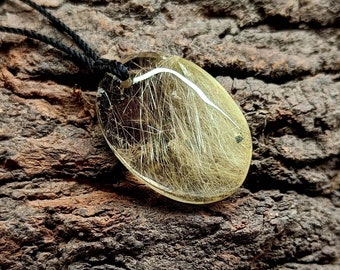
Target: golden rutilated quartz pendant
175,128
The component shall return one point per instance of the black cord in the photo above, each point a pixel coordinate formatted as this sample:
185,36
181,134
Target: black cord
65,29
90,57
34,35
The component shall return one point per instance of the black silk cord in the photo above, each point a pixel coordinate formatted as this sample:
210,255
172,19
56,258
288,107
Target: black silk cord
89,57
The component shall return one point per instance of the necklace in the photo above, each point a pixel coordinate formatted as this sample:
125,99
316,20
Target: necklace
169,122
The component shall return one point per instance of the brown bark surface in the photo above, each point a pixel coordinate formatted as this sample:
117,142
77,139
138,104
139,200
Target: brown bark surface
59,206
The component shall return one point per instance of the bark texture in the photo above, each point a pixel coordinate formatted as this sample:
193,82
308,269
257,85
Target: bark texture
59,206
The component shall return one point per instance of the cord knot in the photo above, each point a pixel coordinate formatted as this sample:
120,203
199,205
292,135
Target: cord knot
103,65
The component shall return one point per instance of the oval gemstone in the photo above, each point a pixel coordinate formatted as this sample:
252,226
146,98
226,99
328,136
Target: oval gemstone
175,128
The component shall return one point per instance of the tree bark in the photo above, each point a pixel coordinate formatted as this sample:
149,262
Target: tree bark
66,204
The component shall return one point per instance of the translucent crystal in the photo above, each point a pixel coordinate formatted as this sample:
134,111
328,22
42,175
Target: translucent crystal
175,128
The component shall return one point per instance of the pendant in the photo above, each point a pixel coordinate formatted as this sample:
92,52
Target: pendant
175,128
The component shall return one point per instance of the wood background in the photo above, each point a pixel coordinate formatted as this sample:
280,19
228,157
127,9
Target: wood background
59,206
